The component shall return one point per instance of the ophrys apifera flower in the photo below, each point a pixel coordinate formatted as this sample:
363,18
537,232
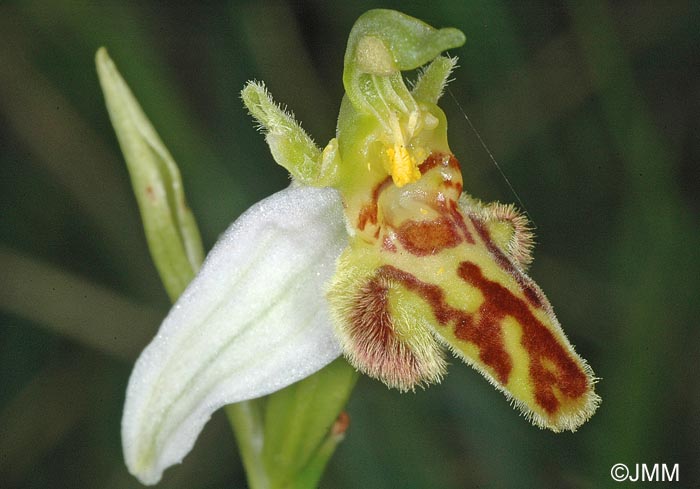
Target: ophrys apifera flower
373,252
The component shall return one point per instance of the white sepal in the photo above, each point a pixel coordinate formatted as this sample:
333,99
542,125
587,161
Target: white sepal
254,320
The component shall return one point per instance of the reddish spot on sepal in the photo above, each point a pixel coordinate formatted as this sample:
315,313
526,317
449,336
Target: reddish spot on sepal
341,424
150,193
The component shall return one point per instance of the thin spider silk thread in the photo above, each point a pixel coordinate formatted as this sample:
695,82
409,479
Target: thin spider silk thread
493,160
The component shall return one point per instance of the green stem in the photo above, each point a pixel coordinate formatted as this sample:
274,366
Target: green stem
247,423
312,474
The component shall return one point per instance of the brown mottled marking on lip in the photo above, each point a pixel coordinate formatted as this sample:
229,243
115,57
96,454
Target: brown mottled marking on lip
489,339
529,289
375,344
368,213
564,373
423,238
438,159
388,245
456,215
551,364
449,206
453,185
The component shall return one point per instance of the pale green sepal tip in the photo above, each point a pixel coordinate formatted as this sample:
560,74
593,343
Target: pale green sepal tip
171,230
254,320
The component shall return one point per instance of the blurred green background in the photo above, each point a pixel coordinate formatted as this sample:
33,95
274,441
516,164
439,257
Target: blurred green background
591,109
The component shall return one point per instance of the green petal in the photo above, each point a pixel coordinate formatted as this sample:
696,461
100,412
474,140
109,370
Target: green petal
432,81
291,147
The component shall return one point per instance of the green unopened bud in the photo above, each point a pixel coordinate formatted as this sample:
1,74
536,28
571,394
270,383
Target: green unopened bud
171,231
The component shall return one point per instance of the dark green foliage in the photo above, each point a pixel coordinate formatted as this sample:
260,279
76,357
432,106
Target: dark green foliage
591,110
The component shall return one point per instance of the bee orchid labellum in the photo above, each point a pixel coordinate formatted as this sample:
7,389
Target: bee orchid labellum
374,251
427,266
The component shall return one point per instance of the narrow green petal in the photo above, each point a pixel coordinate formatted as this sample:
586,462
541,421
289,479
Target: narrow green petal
171,230
253,321
291,147
433,79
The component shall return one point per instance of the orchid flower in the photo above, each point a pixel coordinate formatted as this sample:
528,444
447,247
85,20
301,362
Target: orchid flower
373,252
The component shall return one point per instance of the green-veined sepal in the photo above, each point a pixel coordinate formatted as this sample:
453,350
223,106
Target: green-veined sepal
253,321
